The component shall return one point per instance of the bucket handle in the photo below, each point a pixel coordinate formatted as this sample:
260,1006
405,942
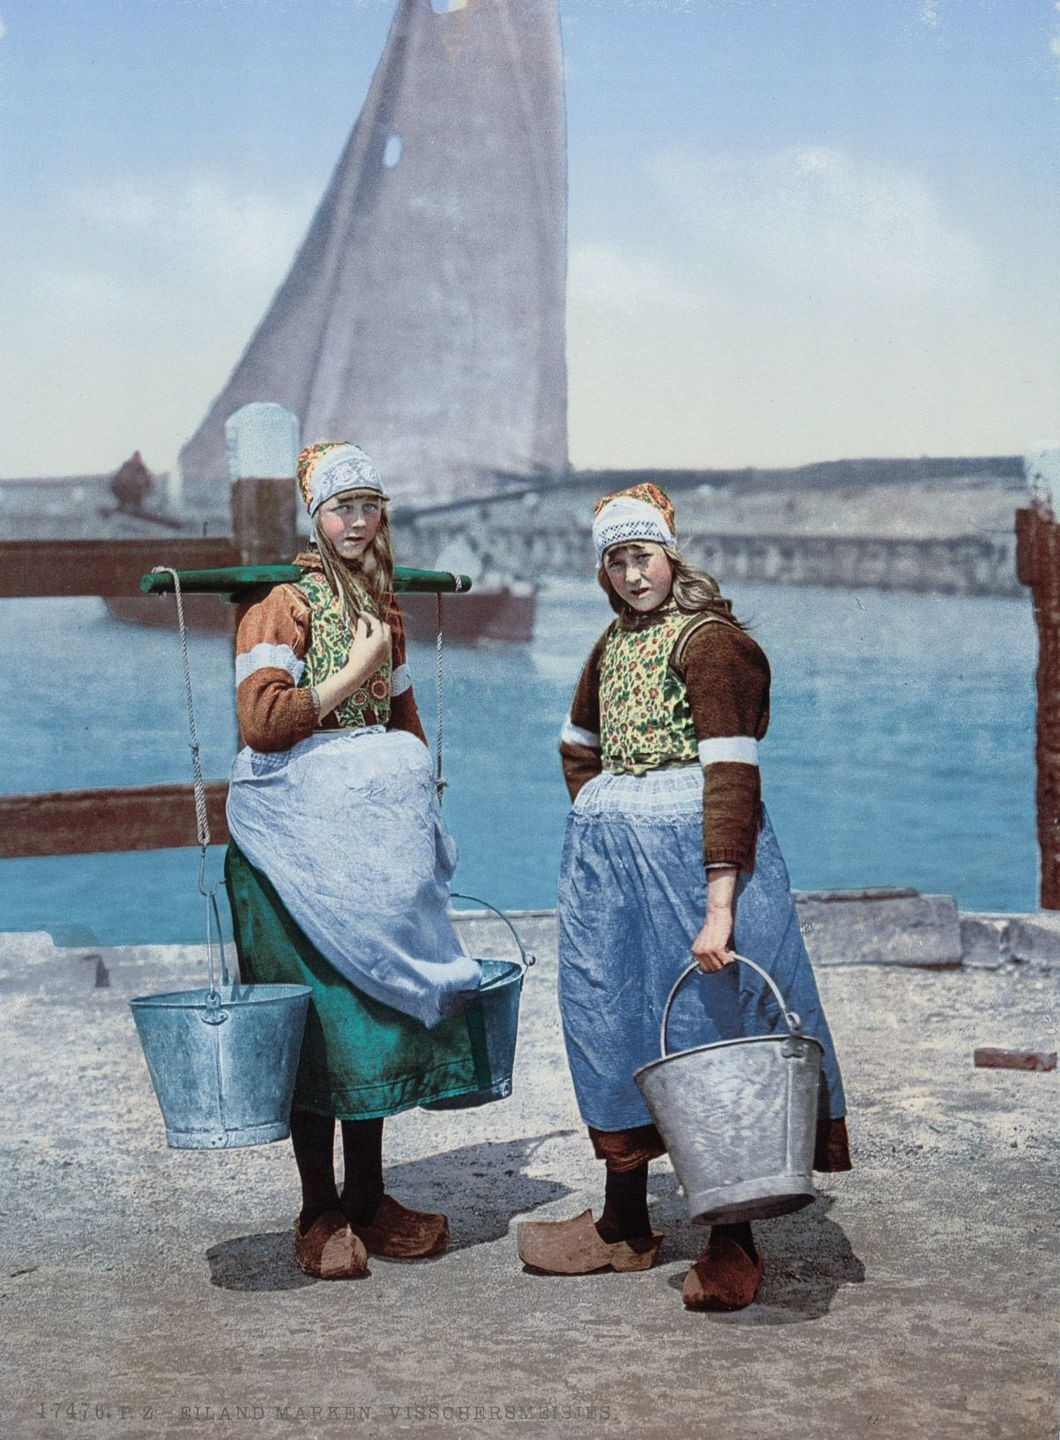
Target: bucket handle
792,1020
525,958
212,1013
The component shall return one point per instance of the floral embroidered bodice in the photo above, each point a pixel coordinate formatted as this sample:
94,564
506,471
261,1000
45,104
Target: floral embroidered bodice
329,648
645,717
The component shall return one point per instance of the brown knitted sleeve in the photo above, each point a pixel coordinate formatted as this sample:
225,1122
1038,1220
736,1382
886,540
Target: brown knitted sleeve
726,675
404,712
271,640
579,740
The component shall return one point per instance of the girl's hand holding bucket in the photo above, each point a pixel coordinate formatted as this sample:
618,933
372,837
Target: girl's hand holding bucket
712,947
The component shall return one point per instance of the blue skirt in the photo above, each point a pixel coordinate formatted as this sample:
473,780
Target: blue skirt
632,898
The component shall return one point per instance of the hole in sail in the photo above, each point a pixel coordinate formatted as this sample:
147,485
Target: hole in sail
446,7
392,152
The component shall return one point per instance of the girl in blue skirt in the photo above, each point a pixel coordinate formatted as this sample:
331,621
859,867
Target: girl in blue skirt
668,852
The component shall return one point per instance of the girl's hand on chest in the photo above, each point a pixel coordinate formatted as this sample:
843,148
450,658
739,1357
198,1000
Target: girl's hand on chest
370,645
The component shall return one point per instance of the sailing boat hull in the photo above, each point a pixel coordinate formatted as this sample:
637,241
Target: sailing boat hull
206,614
495,613
490,613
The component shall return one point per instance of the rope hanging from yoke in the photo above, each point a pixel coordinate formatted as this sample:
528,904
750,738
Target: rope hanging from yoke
440,782
202,822
201,818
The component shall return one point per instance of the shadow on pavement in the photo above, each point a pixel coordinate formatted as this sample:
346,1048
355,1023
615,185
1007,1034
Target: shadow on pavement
480,1188
807,1259
257,1262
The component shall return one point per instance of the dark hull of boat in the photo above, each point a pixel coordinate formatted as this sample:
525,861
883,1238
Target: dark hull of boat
487,614
204,613
494,614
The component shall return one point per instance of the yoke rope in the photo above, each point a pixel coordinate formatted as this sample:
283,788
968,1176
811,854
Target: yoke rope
440,782
202,822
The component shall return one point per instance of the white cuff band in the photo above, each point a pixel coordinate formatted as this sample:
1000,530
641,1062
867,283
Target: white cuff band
400,680
572,734
269,657
741,748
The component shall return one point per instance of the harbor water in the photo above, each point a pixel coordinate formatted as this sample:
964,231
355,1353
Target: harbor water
900,752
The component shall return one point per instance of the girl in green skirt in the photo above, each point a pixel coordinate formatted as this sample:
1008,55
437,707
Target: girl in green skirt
339,868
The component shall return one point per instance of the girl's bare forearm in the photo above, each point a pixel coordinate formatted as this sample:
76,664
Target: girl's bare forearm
721,887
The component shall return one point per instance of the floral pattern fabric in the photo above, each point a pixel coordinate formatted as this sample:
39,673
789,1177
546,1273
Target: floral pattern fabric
648,493
307,462
645,716
329,649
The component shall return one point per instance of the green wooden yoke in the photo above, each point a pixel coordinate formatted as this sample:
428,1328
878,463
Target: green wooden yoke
239,583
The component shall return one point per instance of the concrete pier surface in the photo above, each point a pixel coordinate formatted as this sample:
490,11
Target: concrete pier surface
153,1292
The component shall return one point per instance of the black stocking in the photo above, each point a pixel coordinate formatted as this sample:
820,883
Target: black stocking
362,1185
625,1214
313,1139
740,1233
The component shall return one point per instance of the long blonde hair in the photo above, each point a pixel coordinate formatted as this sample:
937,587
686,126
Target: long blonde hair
373,572
693,591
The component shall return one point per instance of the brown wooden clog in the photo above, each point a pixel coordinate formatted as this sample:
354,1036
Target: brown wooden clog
723,1278
573,1247
398,1233
329,1250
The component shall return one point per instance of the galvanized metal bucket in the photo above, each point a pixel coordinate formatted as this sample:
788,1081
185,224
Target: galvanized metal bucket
223,1061
739,1117
497,1010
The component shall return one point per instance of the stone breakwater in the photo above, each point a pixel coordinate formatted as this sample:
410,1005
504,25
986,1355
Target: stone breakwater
874,926
538,543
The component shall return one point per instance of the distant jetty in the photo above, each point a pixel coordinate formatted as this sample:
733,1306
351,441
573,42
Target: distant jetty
943,525
933,525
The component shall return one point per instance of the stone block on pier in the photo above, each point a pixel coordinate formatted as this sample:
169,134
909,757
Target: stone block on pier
880,927
1036,937
989,1057
986,941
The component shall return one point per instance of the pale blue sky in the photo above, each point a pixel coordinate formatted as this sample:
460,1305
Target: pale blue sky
799,229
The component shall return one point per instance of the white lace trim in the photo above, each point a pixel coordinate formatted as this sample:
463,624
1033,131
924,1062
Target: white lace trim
265,656
400,680
626,518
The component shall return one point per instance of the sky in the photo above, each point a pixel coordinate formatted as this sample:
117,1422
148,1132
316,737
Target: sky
798,229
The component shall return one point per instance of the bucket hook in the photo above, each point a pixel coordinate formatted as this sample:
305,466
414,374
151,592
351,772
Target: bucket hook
213,1014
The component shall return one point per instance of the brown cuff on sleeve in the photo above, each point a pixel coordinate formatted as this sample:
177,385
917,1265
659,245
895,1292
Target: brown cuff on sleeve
405,715
580,764
626,1149
732,802
272,712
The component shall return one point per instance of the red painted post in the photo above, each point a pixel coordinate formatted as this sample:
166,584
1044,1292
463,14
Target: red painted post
1038,566
262,448
263,520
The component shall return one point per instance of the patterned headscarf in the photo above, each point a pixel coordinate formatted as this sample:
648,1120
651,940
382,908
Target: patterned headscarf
332,466
641,512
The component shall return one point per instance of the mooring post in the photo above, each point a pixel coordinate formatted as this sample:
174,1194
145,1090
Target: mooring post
1038,566
262,442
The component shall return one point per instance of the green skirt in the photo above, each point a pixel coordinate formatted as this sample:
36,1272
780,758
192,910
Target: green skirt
360,1059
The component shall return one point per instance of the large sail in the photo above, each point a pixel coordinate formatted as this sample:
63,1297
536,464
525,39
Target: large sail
423,316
